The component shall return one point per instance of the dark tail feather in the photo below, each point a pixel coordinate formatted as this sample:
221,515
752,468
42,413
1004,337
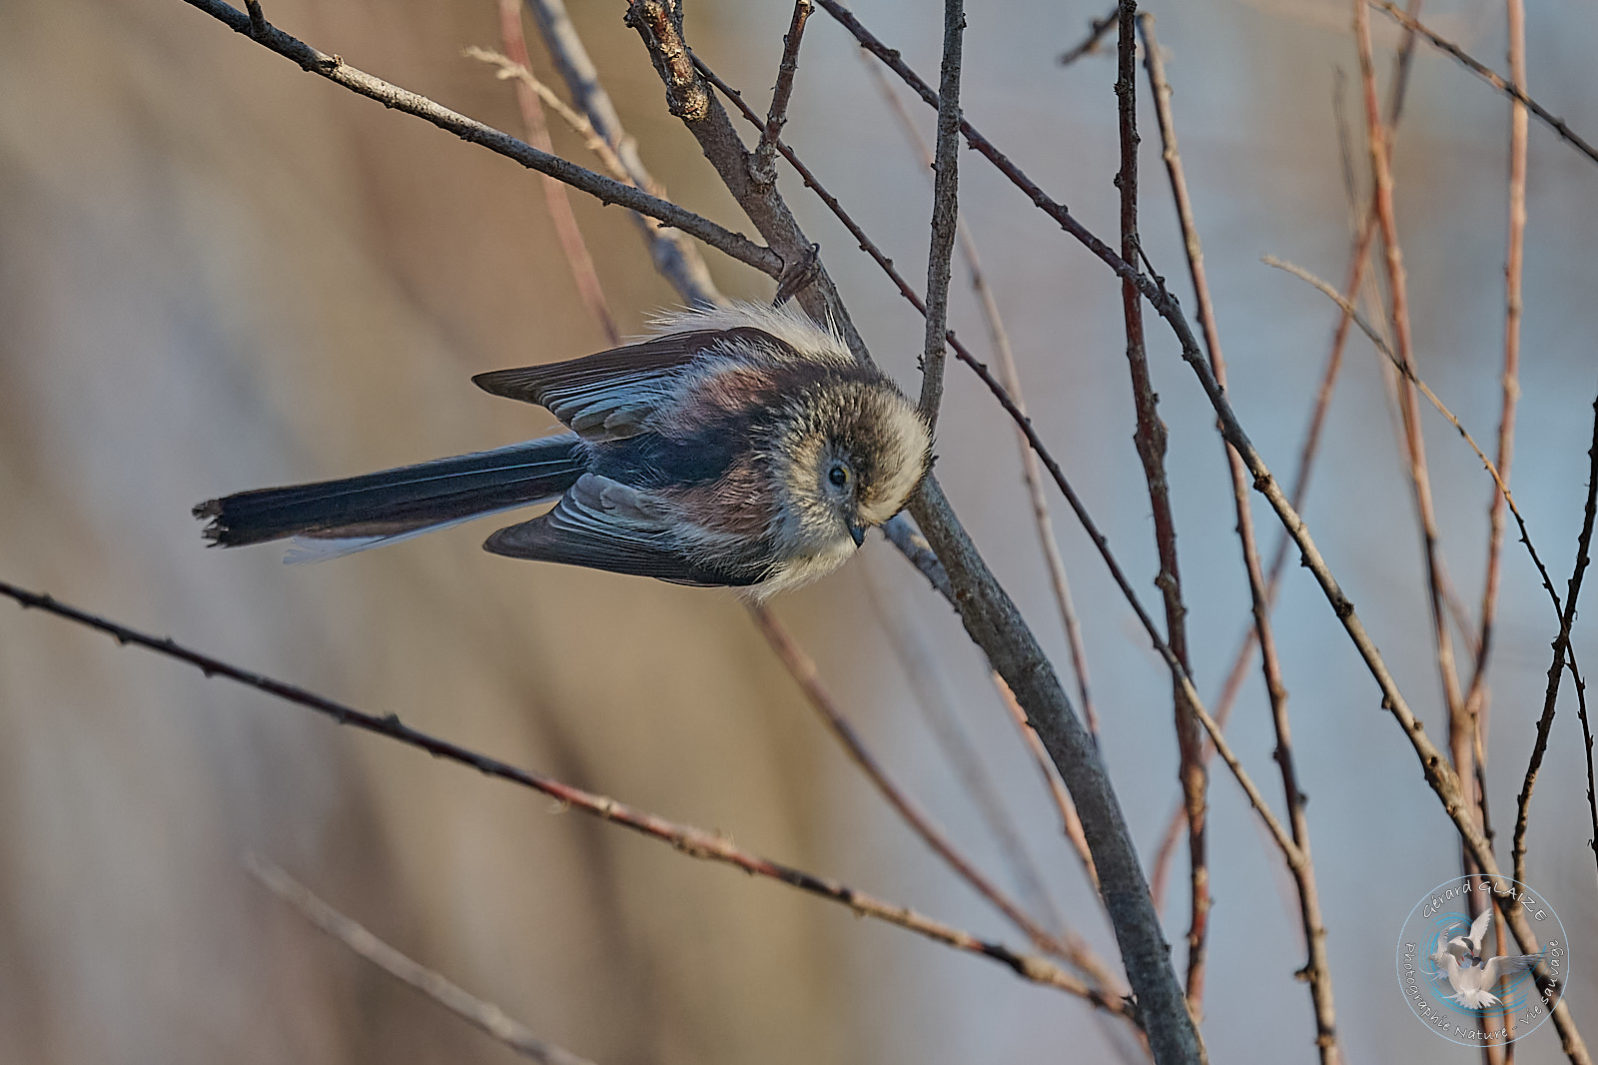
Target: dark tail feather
393,503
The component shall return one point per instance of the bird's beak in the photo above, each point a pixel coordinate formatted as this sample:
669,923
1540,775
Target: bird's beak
858,531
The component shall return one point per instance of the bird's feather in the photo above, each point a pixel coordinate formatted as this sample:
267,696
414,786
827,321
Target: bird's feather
611,395
606,525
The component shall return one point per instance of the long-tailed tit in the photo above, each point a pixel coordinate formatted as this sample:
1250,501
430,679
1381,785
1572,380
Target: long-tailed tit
740,446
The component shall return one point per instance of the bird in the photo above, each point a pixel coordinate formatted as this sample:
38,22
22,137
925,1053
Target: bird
1471,977
740,446
1467,948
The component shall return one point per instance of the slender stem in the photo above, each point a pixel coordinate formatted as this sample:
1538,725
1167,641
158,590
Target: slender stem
556,197
1091,43
1497,81
945,211
1317,969
1562,651
764,163
602,188
1010,377
1070,946
694,842
675,256
1150,439
485,1016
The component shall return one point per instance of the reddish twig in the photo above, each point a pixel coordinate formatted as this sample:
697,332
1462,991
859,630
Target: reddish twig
1070,823
1316,970
675,257
602,188
485,1016
1010,377
556,199
1069,946
1150,442
1459,731
694,842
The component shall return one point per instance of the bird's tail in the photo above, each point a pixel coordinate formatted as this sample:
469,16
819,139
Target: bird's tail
336,517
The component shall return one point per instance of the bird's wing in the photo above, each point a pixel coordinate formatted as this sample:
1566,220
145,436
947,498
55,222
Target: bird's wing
1507,965
611,395
602,524
1449,966
1478,930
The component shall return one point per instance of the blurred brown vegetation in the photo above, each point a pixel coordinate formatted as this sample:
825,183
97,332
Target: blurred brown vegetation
216,273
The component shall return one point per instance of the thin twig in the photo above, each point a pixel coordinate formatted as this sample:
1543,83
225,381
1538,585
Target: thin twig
937,705
1459,731
1562,650
1010,376
1308,452
1070,823
675,257
258,23
485,1016
602,188
1069,946
1150,442
764,163
1586,735
1478,68
1091,44
694,842
557,200
945,212
1316,970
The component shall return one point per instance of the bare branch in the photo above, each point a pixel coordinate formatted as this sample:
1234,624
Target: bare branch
1150,441
1497,81
1091,45
1070,947
675,257
1011,379
1562,651
945,211
485,1016
602,188
694,842
764,163
557,199
1317,970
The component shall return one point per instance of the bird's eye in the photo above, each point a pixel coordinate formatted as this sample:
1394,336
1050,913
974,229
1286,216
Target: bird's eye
838,475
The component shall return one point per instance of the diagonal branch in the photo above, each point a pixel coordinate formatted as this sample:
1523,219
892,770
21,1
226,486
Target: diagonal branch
1070,946
1497,81
482,1015
675,257
694,842
602,188
1317,969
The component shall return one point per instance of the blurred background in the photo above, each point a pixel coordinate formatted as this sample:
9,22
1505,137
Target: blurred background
217,273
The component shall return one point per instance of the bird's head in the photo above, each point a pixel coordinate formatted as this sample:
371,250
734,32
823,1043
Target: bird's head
849,454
